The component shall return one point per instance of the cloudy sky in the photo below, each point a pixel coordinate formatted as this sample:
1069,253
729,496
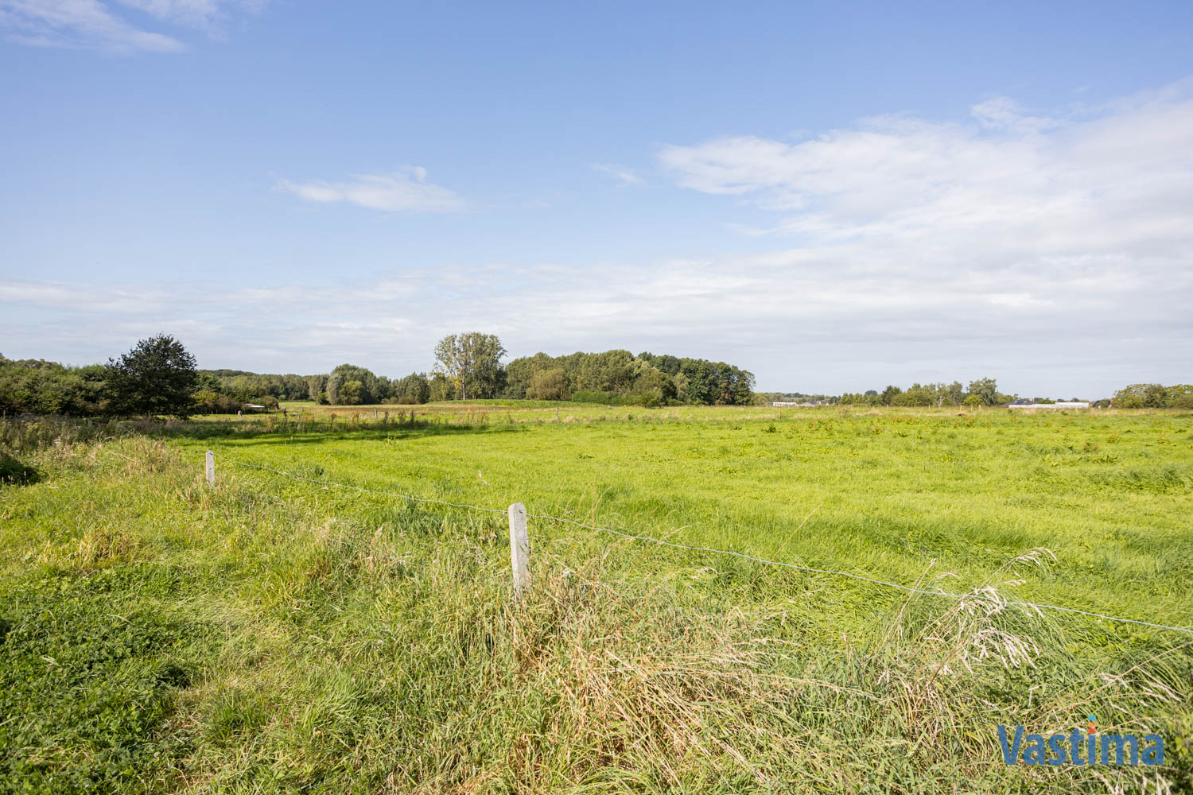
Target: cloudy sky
835,196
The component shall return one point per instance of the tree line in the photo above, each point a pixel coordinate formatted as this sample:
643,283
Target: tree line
980,392
159,377
618,376
469,367
1154,396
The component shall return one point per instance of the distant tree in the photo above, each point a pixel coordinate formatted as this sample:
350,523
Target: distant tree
667,363
870,398
889,395
549,385
730,385
654,387
471,362
441,388
315,386
521,372
352,393
986,389
1148,396
971,400
955,393
1155,396
697,389
331,390
1180,396
917,395
682,388
628,380
414,388
367,389
35,386
157,377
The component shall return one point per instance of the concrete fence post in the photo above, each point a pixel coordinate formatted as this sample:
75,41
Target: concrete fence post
519,547
210,468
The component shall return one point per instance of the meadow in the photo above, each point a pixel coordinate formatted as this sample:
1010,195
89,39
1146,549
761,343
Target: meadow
276,633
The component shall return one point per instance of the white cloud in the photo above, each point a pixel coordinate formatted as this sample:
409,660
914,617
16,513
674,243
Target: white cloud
80,298
203,14
94,25
1006,189
622,173
1077,228
80,24
1004,113
1020,301
406,191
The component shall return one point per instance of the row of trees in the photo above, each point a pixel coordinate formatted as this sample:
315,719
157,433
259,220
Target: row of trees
982,392
618,376
156,377
159,376
466,366
347,384
1154,396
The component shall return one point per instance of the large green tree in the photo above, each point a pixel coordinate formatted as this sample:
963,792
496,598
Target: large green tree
472,363
355,385
986,389
157,377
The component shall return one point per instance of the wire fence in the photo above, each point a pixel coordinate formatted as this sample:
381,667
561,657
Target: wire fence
713,551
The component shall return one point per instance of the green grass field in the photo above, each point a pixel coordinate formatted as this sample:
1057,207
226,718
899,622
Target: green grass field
275,635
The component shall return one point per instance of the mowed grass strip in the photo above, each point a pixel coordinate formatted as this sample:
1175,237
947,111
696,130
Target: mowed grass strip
271,635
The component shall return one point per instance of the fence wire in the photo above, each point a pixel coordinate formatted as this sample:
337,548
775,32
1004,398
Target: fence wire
714,551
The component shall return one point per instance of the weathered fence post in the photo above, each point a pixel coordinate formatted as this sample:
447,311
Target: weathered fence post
519,547
210,468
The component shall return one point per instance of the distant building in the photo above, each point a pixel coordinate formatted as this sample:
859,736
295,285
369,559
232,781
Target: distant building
1060,404
781,405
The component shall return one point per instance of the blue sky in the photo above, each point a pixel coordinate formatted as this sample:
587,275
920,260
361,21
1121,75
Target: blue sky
835,196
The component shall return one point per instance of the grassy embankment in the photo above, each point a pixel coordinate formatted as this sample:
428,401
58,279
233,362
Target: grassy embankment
272,634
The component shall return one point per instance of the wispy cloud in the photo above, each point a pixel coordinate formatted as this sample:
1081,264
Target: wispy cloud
401,192
94,25
622,173
202,14
1004,188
